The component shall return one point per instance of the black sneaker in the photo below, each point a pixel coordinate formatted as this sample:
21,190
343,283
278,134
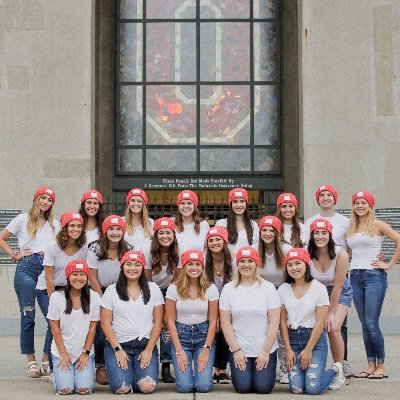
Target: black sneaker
215,378
224,378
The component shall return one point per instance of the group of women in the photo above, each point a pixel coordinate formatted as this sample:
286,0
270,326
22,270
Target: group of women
241,293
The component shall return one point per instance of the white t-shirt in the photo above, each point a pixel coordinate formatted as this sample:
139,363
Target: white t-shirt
190,312
249,307
137,240
92,235
19,227
302,312
131,319
75,326
55,257
107,270
304,234
242,236
189,240
340,225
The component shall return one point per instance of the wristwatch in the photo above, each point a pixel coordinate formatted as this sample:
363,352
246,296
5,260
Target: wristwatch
207,347
117,348
87,352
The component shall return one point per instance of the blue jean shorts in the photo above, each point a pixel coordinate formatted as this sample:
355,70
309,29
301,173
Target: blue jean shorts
346,296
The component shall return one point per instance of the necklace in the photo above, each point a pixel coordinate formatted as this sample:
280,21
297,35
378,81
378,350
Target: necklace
219,269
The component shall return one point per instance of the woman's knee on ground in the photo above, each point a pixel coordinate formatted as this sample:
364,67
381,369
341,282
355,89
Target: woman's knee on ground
65,391
124,390
147,385
83,391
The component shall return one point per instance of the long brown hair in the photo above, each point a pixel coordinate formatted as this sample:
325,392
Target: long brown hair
179,221
182,286
123,247
232,227
99,217
209,268
295,238
62,237
278,252
33,217
173,256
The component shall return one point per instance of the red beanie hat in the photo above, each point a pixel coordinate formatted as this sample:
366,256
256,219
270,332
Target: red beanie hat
164,222
70,216
286,198
137,192
218,231
113,220
366,196
92,194
238,193
327,188
269,220
192,255
321,223
248,252
45,190
297,254
133,255
187,195
76,266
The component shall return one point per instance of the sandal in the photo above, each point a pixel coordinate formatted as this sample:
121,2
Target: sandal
33,370
45,368
362,375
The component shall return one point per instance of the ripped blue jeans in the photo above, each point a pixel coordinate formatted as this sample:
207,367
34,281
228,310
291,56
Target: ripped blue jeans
25,279
315,379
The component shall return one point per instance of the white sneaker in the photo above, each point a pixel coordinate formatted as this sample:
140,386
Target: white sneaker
284,379
346,368
339,379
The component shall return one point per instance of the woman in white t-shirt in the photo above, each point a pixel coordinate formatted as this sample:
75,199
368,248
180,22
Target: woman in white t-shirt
132,313
103,258
272,253
73,315
162,257
138,223
191,231
249,313
242,230
34,230
92,213
305,305
294,232
192,313
218,270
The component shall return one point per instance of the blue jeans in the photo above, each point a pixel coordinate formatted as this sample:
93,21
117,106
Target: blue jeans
252,381
369,289
25,279
192,339
315,379
73,378
43,301
119,378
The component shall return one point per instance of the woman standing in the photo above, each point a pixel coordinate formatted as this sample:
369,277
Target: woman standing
294,232
162,268
191,231
132,314
368,277
305,305
192,312
219,271
34,230
73,316
242,230
138,223
249,313
103,258
329,265
92,213
272,253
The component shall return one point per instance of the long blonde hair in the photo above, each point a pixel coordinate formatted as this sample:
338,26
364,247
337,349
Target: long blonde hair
237,277
182,286
145,220
33,217
355,222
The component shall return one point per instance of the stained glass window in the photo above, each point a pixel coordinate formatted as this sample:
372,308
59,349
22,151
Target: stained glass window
198,87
